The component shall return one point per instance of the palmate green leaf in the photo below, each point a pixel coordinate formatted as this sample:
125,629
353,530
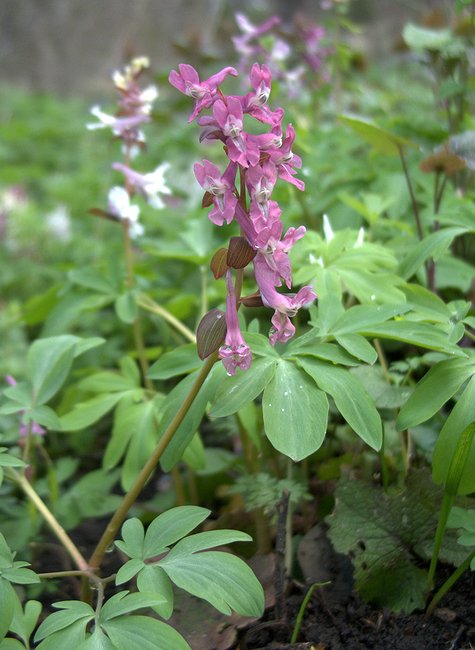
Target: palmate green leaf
125,602
295,412
351,399
369,287
129,632
436,387
24,621
431,246
179,361
222,579
361,317
70,636
171,526
237,391
133,536
45,416
385,535
383,141
192,419
153,580
460,417
72,611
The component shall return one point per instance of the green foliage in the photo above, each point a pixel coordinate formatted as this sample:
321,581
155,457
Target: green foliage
220,578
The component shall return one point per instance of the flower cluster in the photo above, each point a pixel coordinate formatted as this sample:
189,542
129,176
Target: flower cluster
134,110
290,56
261,159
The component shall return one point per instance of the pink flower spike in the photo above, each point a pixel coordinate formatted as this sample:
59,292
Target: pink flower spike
254,31
188,82
242,148
221,187
235,352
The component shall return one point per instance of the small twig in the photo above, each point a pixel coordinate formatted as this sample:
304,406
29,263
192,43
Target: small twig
415,207
150,305
280,545
458,637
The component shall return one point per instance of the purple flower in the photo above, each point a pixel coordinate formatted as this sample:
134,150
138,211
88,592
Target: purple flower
285,159
285,305
221,187
188,82
235,352
242,148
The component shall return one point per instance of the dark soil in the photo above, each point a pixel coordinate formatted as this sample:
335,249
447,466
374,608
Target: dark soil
354,625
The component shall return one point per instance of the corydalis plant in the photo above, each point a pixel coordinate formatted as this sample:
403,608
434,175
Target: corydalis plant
259,160
134,110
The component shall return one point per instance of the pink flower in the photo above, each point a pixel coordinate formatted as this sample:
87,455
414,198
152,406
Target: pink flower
188,82
285,305
285,159
242,148
221,187
235,352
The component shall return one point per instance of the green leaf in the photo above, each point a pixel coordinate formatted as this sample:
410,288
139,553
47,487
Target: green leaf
126,307
45,416
260,345
222,579
92,279
107,382
383,141
24,622
421,334
72,611
11,644
360,317
49,361
128,570
70,636
19,575
237,391
327,351
171,526
460,417
97,641
8,598
7,460
154,580
208,539
133,535
124,603
351,399
86,413
436,387
194,455
295,412
145,633
385,535
358,346
423,38
431,246
180,361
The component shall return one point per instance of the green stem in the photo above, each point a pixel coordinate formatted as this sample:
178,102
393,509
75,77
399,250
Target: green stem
449,583
150,305
415,207
303,607
50,519
147,470
445,508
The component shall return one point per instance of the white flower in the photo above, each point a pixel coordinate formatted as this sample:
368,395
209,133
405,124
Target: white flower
148,185
360,239
59,223
119,205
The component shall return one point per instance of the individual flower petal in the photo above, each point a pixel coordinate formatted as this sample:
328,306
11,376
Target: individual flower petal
235,352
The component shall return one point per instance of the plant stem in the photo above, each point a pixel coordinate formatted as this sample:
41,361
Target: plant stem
303,607
382,359
445,508
150,305
415,207
448,583
64,574
131,496
50,519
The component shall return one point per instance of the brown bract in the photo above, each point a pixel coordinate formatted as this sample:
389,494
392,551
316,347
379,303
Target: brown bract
442,161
